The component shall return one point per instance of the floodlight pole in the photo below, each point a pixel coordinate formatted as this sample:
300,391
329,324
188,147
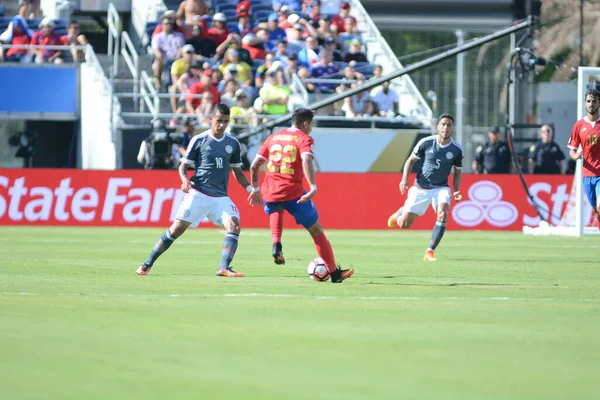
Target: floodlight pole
413,67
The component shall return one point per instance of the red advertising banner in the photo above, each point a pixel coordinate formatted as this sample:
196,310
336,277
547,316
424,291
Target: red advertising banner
344,201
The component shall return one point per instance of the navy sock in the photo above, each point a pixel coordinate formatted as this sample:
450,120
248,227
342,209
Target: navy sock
164,242
437,234
230,245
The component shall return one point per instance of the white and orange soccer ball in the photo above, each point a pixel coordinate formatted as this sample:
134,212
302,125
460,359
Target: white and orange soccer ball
317,270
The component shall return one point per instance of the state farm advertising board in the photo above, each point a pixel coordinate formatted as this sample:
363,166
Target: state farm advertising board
345,200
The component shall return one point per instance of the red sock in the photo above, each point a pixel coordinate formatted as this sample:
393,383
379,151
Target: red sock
276,224
325,251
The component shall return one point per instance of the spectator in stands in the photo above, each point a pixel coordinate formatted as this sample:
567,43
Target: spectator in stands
282,50
262,70
255,42
231,74
385,101
219,31
326,69
275,32
360,104
291,67
166,47
330,45
309,55
230,88
194,104
243,25
24,6
273,97
189,8
314,15
46,37
243,6
348,80
17,32
178,68
73,38
338,22
171,15
234,42
304,75
377,73
284,13
184,83
241,111
324,31
244,70
354,53
205,46
299,29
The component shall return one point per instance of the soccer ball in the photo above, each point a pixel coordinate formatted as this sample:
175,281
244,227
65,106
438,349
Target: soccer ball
317,270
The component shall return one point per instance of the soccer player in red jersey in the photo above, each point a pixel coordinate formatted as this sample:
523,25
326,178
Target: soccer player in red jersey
586,133
289,157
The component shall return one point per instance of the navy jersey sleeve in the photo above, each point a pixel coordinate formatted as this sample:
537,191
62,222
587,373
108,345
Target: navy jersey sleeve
193,150
236,156
458,160
419,150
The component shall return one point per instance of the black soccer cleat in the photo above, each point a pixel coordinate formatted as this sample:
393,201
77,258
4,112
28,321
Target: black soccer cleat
340,275
278,254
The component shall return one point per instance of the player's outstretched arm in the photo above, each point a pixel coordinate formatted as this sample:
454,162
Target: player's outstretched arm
408,166
309,172
186,184
456,180
254,194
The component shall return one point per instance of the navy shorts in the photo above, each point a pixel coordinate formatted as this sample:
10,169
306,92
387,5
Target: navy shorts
591,187
305,213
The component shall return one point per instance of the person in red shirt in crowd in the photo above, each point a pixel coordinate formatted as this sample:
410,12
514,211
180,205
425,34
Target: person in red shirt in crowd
219,31
170,15
47,37
244,26
255,42
192,104
17,32
289,157
73,38
284,13
586,134
337,23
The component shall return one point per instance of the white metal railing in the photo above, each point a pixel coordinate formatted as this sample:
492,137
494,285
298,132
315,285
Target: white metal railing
114,28
90,57
370,29
300,88
149,95
131,58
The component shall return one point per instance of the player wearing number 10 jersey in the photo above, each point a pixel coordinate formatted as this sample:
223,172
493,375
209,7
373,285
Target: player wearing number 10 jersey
289,157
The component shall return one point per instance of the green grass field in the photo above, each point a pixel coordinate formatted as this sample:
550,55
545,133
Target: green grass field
499,316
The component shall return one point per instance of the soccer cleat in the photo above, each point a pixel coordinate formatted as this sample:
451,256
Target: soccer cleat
228,272
143,269
393,219
429,255
278,254
340,275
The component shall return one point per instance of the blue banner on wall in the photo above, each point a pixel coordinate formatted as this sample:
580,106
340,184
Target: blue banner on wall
38,90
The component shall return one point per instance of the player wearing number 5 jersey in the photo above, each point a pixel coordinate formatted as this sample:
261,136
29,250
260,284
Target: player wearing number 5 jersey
289,157
214,154
440,154
586,133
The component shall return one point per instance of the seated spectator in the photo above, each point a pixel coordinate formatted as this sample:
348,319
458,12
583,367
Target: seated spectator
17,32
309,55
275,32
338,22
243,6
359,104
193,105
255,42
273,97
227,95
199,28
184,83
178,68
330,45
234,42
324,31
262,70
314,15
231,74
24,6
46,37
299,29
244,70
219,32
354,53
284,13
326,69
349,78
205,46
171,15
74,38
304,74
241,111
189,8
290,68
166,47
243,25
282,51
377,73
385,101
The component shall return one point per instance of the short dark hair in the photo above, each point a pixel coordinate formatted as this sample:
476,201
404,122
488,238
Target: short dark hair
301,115
222,109
446,115
73,23
593,92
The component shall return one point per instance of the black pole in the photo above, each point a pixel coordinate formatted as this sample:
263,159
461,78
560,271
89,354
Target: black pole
413,67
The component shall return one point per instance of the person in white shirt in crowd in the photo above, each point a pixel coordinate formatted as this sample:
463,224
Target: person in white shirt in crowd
385,101
166,47
358,105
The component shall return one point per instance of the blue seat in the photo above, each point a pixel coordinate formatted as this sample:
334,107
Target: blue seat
230,14
260,7
61,32
2,10
260,16
233,26
222,7
33,23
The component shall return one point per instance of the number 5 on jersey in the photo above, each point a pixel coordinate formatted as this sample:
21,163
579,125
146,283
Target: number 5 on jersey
280,158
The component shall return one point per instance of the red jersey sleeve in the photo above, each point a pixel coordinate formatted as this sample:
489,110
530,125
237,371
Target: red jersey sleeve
306,146
574,140
264,149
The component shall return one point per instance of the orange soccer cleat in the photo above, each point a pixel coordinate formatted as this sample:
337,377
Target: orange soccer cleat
340,275
393,219
228,272
429,255
143,269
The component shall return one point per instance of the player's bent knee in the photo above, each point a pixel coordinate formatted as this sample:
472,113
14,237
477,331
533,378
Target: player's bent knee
179,227
232,225
315,230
